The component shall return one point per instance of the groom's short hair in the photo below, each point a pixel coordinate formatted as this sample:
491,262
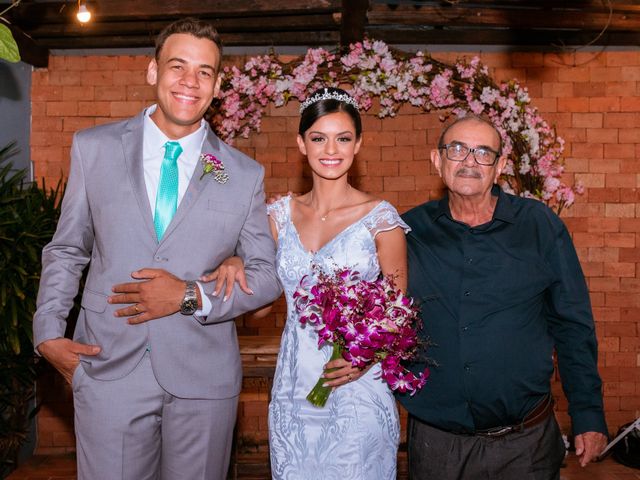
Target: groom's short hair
190,26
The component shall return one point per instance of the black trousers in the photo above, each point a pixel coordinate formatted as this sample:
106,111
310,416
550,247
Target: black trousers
533,454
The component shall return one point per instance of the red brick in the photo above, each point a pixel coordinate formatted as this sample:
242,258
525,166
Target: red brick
379,139
137,63
603,254
110,92
620,269
629,135
558,89
46,124
62,109
385,169
125,109
621,120
630,225
604,165
585,239
609,315
620,89
398,153
603,224
618,150
102,62
588,150
404,123
46,93
602,195
396,184
602,135
600,284
97,78
620,239
94,109
630,104
590,89
605,74
129,78
411,138
72,93
575,74
620,180
573,104
587,120
139,92
604,104
64,78
609,344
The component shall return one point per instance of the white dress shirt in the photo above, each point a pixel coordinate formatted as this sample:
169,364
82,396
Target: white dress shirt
152,156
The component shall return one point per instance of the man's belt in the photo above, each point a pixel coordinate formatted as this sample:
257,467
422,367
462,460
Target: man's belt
539,413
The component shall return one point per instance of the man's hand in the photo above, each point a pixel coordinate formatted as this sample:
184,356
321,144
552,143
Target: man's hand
589,445
64,354
158,294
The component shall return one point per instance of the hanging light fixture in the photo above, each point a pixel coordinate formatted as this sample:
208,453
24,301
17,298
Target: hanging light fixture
83,15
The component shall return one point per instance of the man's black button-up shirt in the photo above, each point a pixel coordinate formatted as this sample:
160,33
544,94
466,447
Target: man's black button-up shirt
496,299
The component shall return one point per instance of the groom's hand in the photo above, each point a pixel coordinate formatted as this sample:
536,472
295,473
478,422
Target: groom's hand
158,294
64,354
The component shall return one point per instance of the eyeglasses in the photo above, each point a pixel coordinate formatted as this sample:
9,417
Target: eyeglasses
458,152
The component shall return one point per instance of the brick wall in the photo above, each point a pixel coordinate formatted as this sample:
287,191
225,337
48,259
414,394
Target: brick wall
592,98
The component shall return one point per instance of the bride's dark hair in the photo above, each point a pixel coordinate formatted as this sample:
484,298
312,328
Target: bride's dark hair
325,106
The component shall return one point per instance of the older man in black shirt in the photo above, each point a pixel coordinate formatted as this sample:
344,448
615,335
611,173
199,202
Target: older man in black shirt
501,286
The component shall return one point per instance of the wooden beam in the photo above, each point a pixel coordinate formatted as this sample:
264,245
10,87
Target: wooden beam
354,19
330,39
30,51
520,19
63,12
597,5
229,24
529,38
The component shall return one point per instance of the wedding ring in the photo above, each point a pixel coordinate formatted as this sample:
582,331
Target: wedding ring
350,377
135,307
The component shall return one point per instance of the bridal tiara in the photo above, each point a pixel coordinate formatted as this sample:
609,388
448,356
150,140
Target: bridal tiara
327,95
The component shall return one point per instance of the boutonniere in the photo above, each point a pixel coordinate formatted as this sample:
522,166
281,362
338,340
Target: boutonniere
211,165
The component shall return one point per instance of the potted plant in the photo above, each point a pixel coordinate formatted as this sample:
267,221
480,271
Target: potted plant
28,217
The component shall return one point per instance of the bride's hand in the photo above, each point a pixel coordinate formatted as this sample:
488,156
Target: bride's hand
228,272
340,372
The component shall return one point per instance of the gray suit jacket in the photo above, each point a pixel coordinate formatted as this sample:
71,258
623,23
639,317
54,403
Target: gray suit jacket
107,222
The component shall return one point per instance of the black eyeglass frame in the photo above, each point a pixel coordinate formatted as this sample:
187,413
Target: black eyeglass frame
473,150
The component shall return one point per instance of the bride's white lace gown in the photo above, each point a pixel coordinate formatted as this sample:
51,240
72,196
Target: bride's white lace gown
355,436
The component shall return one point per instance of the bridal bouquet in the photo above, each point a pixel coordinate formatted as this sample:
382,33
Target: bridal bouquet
365,321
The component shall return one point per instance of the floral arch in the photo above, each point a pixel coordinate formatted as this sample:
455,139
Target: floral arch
373,70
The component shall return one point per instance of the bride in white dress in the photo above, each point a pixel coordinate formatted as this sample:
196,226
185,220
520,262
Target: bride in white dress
355,435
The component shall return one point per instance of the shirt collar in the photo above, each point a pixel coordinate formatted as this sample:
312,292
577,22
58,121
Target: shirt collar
504,209
155,139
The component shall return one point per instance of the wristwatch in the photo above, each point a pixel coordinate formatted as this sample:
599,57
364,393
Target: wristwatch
189,303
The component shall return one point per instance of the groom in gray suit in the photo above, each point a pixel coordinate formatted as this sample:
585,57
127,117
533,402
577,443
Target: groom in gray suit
159,198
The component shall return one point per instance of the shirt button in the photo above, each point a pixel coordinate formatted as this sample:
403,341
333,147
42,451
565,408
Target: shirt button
467,293
465,328
469,261
467,367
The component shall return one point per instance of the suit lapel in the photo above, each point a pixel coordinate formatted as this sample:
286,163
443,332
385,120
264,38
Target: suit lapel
132,147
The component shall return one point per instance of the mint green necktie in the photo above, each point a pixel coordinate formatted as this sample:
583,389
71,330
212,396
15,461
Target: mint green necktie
167,197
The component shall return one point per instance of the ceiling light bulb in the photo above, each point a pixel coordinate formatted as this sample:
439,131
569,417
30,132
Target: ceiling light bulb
83,15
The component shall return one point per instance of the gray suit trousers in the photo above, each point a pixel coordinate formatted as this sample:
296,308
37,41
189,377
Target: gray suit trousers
152,435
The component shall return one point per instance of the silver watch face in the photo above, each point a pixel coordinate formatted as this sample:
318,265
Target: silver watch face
189,306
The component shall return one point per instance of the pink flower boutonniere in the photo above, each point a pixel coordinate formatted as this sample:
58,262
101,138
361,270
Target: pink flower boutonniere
211,164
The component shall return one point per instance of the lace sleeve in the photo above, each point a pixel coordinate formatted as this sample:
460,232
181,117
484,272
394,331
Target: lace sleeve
278,212
383,218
